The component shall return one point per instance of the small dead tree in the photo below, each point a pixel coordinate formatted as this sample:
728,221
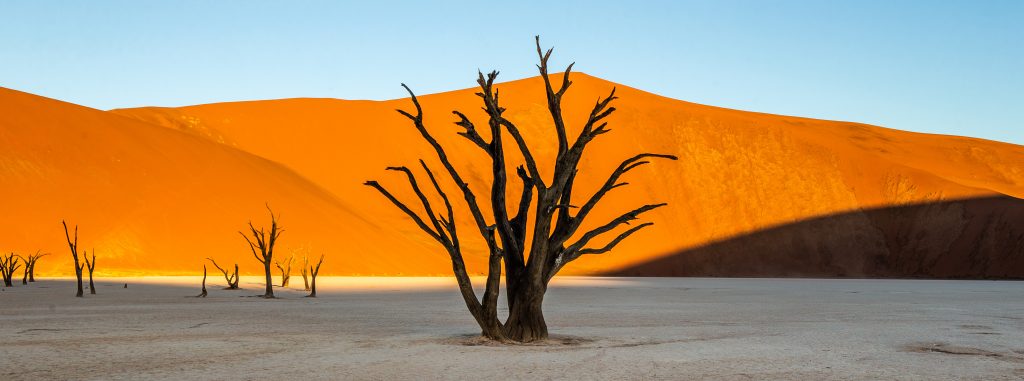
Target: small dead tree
8,265
26,261
313,271
203,294
25,269
265,244
530,255
305,272
32,265
286,270
92,265
74,254
232,279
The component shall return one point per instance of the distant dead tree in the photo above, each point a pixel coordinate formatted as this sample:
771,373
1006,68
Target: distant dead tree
74,254
286,270
24,276
265,244
313,271
8,265
203,294
531,255
232,279
305,272
30,266
92,266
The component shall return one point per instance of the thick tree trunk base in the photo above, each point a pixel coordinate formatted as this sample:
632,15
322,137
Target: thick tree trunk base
525,322
526,329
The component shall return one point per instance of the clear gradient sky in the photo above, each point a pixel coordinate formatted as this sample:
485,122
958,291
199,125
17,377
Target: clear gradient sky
931,66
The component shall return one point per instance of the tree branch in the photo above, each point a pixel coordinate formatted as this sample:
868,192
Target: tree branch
471,133
554,97
612,183
416,218
615,241
423,200
470,198
623,219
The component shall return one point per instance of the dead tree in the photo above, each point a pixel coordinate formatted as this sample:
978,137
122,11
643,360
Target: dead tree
8,265
530,252
92,265
305,272
232,279
265,244
74,254
203,294
26,261
286,270
32,265
313,271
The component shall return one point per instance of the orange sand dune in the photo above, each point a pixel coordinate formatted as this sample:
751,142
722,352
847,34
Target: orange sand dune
740,173
155,200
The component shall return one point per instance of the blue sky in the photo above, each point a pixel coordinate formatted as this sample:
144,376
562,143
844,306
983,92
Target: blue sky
931,66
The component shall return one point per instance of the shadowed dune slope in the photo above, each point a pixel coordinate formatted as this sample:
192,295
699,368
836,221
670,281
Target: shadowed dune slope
155,200
968,238
739,173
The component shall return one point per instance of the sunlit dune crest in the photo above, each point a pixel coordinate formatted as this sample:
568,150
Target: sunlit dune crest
157,190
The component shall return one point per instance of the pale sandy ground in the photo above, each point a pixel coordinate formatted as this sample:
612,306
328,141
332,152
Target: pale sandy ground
416,328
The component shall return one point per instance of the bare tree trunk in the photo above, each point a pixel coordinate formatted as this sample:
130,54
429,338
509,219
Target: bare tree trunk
286,270
314,271
305,272
526,319
78,273
74,254
32,265
91,265
28,265
203,294
266,248
269,293
232,280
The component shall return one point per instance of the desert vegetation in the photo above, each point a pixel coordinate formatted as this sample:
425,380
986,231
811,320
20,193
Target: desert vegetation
531,252
305,271
230,278
30,267
286,269
73,245
203,293
313,271
8,265
265,244
91,265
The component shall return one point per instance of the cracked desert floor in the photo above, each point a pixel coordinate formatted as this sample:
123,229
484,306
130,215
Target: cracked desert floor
604,328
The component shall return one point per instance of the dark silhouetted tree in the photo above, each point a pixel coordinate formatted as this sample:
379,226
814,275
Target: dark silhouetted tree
231,279
203,294
313,271
286,270
531,252
265,243
92,266
8,265
74,254
30,267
